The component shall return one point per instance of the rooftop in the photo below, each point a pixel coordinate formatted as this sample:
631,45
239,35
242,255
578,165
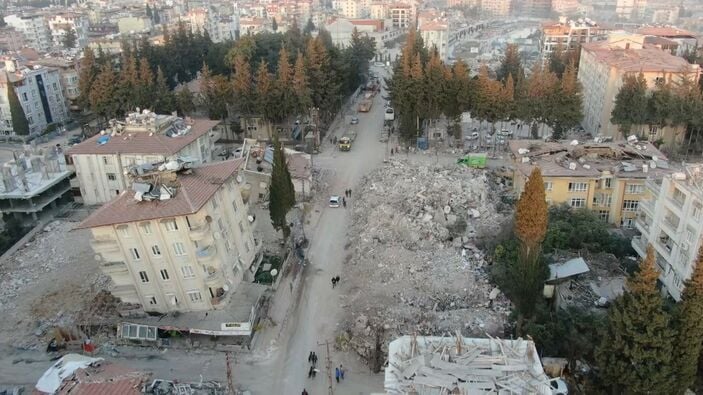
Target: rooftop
299,163
430,365
433,26
588,159
195,188
145,133
636,60
666,31
32,173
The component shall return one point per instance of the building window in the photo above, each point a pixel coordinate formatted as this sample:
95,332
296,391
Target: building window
234,205
24,96
607,183
630,205
246,246
135,254
578,187
548,186
241,227
171,225
679,197
696,212
111,176
164,274
179,249
104,160
635,189
144,277
578,202
195,296
187,271
151,300
124,231
215,202
627,223
604,215
146,228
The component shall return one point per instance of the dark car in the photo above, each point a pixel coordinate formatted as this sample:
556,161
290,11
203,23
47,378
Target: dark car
73,140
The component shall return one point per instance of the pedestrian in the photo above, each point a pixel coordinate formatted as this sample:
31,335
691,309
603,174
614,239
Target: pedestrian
311,372
314,359
344,203
336,374
391,151
336,280
349,192
311,356
341,371
304,392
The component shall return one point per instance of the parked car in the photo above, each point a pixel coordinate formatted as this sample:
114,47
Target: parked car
473,136
559,387
354,120
73,140
335,201
506,132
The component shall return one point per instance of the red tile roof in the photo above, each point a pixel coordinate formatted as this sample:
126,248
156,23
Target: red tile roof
664,31
636,60
105,379
142,143
194,191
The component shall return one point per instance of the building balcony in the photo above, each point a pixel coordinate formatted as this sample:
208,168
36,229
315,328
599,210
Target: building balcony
214,278
199,232
105,245
643,226
672,224
654,186
206,254
647,206
114,267
127,291
639,244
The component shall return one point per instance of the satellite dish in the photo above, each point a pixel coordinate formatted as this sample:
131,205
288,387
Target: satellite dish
274,272
239,179
225,287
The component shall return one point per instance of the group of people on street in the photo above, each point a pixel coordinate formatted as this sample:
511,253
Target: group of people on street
339,373
335,280
312,360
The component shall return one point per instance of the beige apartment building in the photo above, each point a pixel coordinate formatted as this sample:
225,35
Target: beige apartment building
402,15
435,34
602,68
671,220
141,138
607,178
186,250
496,7
569,35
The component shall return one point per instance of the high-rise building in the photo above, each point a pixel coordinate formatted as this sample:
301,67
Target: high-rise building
569,35
435,34
34,28
59,24
496,7
630,9
39,92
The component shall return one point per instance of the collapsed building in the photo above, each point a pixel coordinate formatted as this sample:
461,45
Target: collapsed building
607,177
33,180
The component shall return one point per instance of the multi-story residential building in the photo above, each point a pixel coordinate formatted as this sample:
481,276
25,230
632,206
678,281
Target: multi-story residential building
188,250
59,24
251,25
496,8
565,7
378,10
684,39
608,178
569,35
34,29
401,15
602,68
141,138
205,19
39,92
436,35
11,40
630,9
671,220
68,70
534,8
134,24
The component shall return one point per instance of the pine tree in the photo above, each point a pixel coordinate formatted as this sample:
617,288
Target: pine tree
265,93
488,97
568,111
541,92
185,102
435,88
128,94
635,355
284,92
145,90
557,61
689,328
281,191
103,93
301,86
274,24
19,120
511,64
630,103
70,38
526,275
241,84
88,71
164,102
309,27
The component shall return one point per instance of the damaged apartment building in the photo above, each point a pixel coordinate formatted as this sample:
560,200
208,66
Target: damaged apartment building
141,138
606,177
181,240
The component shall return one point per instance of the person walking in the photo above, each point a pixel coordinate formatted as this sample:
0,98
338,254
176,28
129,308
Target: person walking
311,372
314,359
334,282
304,392
310,357
344,203
336,374
341,371
349,192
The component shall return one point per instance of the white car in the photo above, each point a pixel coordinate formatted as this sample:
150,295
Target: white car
335,201
473,136
559,387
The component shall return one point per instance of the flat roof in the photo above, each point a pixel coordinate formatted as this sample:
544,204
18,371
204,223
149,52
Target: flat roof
194,190
143,142
636,60
666,31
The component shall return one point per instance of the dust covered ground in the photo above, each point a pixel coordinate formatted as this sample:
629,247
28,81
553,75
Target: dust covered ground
412,263
52,280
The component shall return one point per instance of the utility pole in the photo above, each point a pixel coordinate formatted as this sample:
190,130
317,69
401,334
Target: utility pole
328,366
230,383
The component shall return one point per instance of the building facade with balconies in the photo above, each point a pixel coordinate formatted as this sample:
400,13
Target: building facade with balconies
140,138
671,220
187,251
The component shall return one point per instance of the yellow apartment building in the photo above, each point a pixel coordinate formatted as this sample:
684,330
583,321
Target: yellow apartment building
607,178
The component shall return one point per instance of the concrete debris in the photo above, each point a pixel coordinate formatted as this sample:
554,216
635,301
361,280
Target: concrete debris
46,284
414,266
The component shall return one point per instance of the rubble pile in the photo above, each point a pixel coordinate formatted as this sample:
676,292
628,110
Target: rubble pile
413,264
47,283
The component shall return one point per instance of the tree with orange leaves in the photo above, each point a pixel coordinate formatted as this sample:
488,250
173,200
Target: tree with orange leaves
689,327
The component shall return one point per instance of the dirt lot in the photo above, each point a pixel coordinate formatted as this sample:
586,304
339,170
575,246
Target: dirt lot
46,283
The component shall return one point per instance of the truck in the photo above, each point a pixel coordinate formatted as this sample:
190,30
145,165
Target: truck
345,143
365,105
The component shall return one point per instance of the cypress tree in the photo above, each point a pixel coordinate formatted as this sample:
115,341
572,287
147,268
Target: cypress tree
689,327
241,84
284,91
19,120
301,86
511,64
264,92
281,191
635,355
88,71
630,103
